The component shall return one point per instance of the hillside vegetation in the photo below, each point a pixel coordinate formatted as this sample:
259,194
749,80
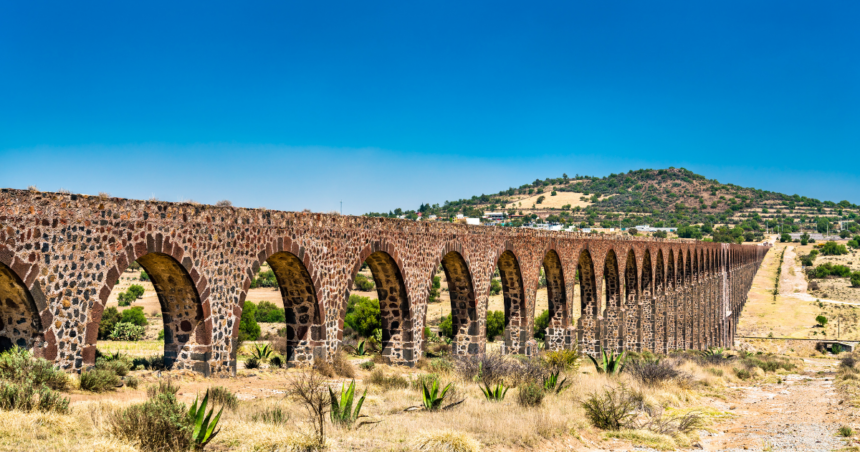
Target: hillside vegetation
673,197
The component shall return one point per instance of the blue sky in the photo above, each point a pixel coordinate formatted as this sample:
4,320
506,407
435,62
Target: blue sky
292,105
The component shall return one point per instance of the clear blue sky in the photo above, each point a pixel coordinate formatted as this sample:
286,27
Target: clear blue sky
293,105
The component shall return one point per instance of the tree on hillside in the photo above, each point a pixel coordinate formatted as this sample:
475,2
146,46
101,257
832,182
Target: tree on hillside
821,320
833,249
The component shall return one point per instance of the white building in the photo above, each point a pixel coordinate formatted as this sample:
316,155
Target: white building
494,216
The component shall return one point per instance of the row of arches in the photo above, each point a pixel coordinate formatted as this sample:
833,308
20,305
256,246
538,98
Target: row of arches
654,299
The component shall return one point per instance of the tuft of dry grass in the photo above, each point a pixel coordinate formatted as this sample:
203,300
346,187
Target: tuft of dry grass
446,441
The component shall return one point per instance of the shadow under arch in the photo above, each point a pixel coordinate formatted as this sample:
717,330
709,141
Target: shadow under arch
464,314
302,312
557,301
187,338
661,318
611,306
588,337
20,323
516,323
632,312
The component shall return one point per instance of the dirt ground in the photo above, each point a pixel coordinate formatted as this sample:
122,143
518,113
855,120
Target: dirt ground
800,413
561,198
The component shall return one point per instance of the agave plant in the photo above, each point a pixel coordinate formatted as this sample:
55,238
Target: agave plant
262,353
714,351
496,394
360,350
203,425
551,383
432,398
341,410
610,362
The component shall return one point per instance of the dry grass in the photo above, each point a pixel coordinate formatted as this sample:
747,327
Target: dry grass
446,441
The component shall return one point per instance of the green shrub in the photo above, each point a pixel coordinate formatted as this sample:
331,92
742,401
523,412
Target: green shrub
268,312
743,374
252,363
161,335
223,396
530,394
855,279
99,380
378,378
367,365
143,276
162,387
610,410
110,317
446,327
161,423
828,269
120,367
134,316
363,283
274,416
249,330
124,331
561,360
833,249
27,397
276,362
846,431
495,287
136,291
495,324
18,366
132,382
541,324
362,315
265,279
434,290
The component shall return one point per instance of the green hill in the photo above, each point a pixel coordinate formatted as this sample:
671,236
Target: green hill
673,197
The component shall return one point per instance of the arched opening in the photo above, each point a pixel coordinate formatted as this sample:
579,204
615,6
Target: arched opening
156,290
588,303
556,299
661,319
646,300
516,333
464,316
302,330
632,314
611,306
671,302
19,320
395,336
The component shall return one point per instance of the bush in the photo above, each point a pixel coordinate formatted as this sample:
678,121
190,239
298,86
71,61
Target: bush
446,327
561,360
611,410
124,331
743,374
530,395
363,283
342,366
362,315
26,397
110,317
268,312
132,382
495,287
446,440
846,431
855,279
828,269
833,249
652,373
541,324
378,378
249,330
99,380
134,316
159,424
143,276
18,366
162,387
274,416
223,396
120,367
495,324
367,365
136,291
252,363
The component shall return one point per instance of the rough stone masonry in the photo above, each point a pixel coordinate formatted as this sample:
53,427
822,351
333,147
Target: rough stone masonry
61,254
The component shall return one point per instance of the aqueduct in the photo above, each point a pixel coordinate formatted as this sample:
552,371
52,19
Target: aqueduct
61,254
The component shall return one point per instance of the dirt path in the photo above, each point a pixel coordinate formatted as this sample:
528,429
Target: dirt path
803,413
792,282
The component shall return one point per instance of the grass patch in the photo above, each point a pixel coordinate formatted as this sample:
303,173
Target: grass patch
644,438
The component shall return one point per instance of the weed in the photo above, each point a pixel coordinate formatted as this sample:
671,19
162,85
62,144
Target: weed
163,387
132,382
276,362
252,363
203,427
551,383
378,378
446,441
530,394
743,374
274,416
99,380
222,395
562,360
652,373
26,397
18,365
367,365
342,366
846,431
610,410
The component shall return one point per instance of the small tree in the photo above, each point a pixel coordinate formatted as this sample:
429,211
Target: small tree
136,291
495,286
855,279
309,390
822,321
541,324
632,231
134,316
249,330
540,199
110,317
495,324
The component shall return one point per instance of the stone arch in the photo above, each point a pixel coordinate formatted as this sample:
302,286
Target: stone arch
464,312
632,314
20,323
646,300
557,300
612,281
661,318
516,311
588,303
303,314
395,310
